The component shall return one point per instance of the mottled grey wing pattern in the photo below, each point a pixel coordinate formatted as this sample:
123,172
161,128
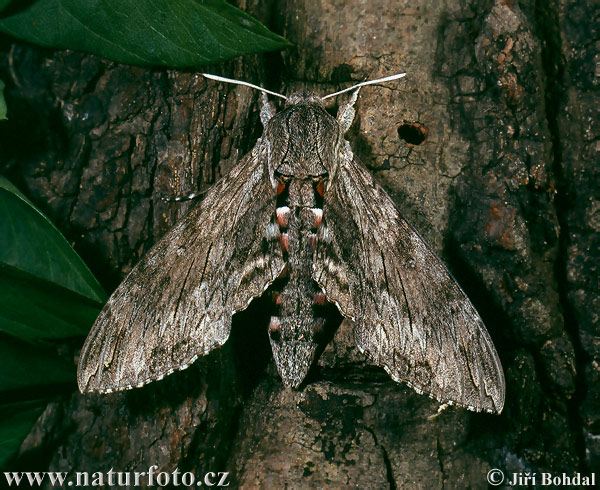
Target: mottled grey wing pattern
410,315
177,303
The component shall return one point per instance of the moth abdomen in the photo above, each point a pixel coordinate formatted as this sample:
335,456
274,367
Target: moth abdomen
298,304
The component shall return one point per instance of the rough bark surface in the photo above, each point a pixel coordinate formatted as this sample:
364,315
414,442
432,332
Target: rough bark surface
489,146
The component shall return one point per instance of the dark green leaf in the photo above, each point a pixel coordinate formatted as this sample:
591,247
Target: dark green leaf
16,420
31,244
33,309
175,33
46,291
29,366
4,3
2,102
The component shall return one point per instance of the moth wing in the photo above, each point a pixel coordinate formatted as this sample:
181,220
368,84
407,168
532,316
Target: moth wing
177,303
410,315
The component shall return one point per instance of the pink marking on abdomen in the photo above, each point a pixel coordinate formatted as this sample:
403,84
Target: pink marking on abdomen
320,299
285,242
282,214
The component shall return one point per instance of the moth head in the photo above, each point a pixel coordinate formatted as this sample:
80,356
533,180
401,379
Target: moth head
303,97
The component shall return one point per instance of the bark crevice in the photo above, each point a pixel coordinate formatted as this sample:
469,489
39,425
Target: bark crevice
553,64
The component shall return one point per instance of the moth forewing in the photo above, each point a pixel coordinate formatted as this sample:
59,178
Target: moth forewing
410,315
177,302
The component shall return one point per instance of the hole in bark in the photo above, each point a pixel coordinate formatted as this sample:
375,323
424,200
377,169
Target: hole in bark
413,133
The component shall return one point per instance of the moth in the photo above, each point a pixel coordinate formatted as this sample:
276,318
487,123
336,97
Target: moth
301,216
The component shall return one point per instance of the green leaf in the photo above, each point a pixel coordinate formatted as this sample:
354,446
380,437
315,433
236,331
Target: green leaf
4,3
46,292
175,33
16,420
33,309
31,374
30,243
2,101
26,366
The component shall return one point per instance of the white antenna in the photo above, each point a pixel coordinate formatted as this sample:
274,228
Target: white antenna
369,82
239,82
358,85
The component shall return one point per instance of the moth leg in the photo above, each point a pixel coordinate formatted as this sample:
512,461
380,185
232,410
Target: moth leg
185,198
439,411
346,112
267,111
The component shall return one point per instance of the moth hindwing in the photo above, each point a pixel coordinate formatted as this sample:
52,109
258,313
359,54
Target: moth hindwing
300,216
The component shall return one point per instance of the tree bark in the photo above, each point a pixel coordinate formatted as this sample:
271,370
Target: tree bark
489,146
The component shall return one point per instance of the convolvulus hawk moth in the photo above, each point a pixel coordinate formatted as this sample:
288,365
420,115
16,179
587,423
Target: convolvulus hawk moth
300,215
